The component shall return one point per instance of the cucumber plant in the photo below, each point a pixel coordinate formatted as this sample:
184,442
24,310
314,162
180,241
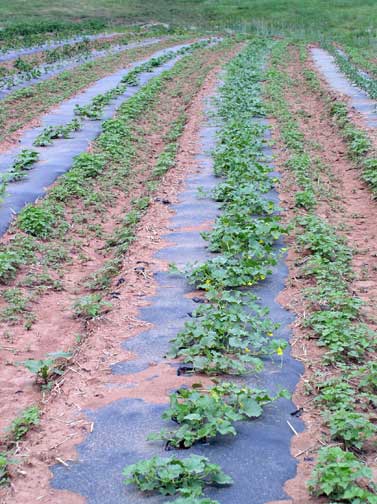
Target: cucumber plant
204,413
173,476
51,133
23,162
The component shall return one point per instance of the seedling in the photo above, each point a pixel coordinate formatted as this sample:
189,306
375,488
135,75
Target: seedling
229,335
193,500
36,221
46,369
53,132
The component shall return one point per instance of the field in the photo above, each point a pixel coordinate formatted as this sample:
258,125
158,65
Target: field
188,252
338,19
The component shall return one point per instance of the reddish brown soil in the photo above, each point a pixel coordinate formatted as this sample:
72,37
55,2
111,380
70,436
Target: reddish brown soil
86,382
354,210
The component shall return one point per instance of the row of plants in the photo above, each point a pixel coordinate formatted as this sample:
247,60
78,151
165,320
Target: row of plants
46,220
26,68
357,76
359,145
23,105
363,58
27,34
38,33
343,385
94,111
110,164
229,333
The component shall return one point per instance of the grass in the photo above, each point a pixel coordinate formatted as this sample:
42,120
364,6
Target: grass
339,19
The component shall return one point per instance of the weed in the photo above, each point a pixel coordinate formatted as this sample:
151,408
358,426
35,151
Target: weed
336,394
91,306
370,173
9,262
4,474
352,428
22,424
17,304
73,184
102,278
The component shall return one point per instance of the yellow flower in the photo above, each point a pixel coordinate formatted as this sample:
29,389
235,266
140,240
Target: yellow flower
247,350
249,283
279,351
208,281
269,333
262,277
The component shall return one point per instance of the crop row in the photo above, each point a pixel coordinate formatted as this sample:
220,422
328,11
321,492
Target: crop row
50,62
95,180
24,34
345,387
359,145
230,333
93,111
40,36
22,105
357,76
